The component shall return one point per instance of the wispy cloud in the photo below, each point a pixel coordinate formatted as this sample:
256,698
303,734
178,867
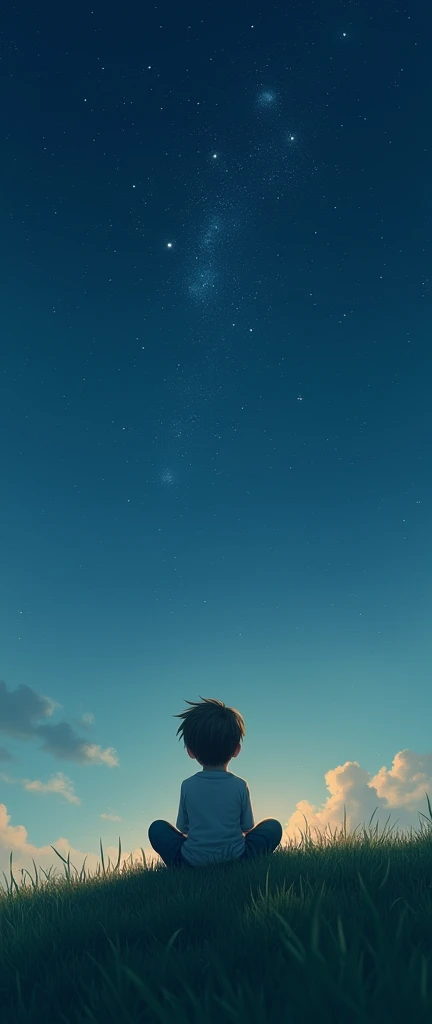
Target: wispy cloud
5,755
63,742
21,710
24,714
58,783
111,817
400,789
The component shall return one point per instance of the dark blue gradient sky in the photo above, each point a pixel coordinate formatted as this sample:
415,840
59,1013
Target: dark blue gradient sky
214,409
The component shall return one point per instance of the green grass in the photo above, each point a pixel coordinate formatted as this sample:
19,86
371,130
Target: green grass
334,929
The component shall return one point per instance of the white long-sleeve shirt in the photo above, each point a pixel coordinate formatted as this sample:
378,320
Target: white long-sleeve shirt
214,811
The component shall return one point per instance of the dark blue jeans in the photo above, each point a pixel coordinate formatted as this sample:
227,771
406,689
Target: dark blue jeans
167,841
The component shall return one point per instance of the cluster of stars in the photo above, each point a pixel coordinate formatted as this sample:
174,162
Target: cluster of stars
167,477
266,98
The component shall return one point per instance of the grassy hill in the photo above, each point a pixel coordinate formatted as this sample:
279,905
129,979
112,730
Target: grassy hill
331,930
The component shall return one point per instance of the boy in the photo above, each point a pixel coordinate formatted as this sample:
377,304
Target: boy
215,820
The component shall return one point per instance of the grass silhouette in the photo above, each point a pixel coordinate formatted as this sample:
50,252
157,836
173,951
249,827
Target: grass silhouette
336,930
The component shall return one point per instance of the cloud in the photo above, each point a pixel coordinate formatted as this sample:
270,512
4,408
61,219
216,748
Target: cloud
406,782
14,838
400,789
5,755
58,783
21,710
63,742
88,718
111,817
24,714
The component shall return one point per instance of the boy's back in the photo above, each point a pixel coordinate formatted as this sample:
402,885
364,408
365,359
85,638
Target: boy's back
215,809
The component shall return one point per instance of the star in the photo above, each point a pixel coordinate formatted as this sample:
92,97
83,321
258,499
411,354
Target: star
169,245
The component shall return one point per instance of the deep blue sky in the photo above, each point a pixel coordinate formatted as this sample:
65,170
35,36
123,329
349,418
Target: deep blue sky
214,409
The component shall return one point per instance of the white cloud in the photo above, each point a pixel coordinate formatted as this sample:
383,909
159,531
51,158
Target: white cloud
14,838
58,783
406,782
88,717
111,817
95,755
398,791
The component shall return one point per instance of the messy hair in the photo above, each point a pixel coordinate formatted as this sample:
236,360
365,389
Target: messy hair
211,730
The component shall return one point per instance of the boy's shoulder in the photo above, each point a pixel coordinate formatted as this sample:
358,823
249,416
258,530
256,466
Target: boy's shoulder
238,778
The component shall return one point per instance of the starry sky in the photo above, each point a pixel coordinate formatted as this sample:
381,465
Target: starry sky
215,434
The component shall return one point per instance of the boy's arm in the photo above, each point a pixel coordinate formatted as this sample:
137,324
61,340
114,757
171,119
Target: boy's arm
246,818
182,822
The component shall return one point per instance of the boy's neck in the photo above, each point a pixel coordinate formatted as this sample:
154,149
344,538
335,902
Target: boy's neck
215,767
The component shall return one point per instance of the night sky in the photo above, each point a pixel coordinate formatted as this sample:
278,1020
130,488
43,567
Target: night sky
214,408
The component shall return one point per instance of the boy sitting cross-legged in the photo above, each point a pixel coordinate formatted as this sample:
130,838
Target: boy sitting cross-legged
215,820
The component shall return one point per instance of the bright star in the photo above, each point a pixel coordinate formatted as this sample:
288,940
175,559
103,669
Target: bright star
169,245
214,155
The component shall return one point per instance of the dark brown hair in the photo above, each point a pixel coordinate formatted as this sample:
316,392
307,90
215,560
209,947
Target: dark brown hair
211,730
